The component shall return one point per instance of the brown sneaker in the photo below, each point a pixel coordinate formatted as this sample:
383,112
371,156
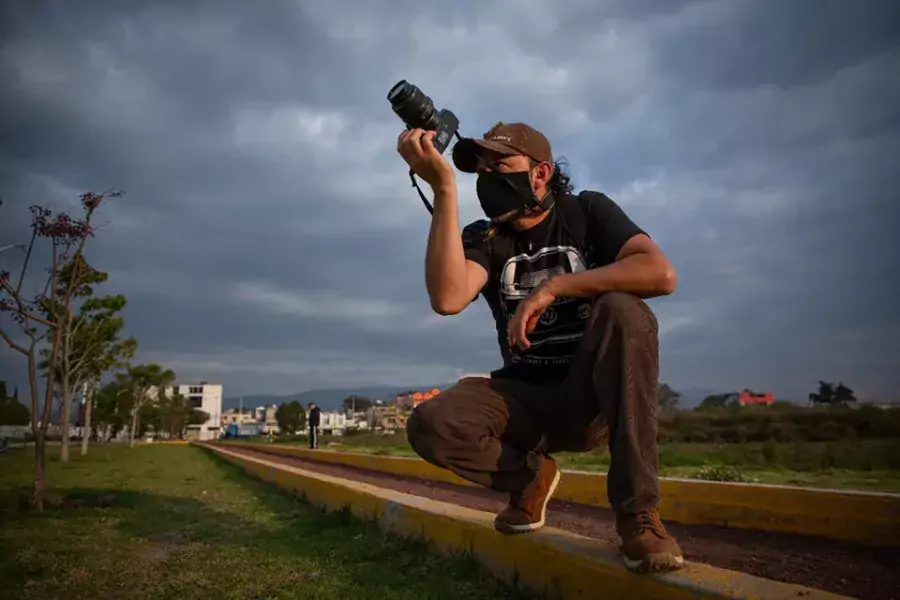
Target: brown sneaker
527,510
646,545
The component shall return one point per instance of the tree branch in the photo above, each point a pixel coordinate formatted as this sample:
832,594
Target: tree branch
21,305
27,258
12,344
73,328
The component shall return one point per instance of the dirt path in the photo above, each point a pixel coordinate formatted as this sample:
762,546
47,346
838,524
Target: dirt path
844,568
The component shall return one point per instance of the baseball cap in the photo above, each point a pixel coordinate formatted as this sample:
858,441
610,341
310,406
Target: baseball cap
505,138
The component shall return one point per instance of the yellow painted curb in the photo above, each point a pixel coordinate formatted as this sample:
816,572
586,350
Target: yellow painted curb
550,561
863,517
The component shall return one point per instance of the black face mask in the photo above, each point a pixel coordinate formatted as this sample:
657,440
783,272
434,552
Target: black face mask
501,193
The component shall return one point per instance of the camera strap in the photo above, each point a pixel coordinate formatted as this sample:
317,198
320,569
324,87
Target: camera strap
412,177
415,184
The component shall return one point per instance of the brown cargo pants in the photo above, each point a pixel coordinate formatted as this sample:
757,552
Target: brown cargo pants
491,431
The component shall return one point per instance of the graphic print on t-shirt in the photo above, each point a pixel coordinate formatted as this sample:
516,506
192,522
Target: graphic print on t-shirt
559,330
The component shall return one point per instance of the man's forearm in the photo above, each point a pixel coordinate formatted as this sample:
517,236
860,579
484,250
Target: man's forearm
643,275
445,261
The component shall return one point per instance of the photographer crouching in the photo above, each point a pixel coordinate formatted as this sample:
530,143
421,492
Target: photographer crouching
565,277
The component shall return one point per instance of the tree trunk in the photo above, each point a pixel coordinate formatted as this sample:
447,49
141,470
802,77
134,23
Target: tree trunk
134,422
86,426
65,420
65,392
37,430
37,490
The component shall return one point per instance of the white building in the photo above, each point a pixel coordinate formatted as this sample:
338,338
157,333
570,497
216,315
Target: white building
357,420
270,423
332,422
208,398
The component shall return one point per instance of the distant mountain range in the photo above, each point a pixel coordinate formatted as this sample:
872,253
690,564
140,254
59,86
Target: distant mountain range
326,399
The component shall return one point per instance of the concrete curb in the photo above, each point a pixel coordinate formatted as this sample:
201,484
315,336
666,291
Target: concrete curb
861,517
552,562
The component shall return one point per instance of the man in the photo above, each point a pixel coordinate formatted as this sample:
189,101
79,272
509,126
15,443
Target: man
565,277
313,422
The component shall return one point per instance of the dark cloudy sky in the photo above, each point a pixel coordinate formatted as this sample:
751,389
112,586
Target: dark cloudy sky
270,239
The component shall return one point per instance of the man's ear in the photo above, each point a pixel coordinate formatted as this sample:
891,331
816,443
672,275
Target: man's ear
541,174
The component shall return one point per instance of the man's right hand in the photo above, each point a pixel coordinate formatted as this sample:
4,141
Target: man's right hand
416,146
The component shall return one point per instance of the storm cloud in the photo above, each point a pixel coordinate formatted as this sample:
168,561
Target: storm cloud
269,237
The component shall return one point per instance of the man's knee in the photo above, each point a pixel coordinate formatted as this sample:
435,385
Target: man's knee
454,419
426,428
625,310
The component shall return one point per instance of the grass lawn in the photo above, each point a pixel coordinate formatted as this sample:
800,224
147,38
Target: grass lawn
175,522
810,464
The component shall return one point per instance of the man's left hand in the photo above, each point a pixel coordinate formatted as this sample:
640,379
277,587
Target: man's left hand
528,313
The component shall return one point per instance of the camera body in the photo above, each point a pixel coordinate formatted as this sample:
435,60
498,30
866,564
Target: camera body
417,111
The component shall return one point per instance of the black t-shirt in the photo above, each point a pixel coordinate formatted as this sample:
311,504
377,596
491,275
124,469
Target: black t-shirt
518,261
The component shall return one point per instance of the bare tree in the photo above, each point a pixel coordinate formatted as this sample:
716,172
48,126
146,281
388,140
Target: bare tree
39,316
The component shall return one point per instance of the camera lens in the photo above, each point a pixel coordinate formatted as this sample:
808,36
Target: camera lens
399,92
412,106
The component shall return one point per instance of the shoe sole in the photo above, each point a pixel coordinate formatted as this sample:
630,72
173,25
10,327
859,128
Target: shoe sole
505,528
654,563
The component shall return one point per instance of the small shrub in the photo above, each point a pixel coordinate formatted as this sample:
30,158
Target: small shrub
719,473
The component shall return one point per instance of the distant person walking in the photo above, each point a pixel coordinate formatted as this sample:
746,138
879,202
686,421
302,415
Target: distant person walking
315,416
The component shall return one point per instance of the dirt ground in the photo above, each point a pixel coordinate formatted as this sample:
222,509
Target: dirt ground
841,567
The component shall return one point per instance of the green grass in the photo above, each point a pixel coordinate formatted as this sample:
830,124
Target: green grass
870,465
178,523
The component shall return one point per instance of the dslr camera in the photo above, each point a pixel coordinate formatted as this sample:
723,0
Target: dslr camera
417,111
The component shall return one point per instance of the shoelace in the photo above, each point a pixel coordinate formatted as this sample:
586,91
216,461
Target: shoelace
650,521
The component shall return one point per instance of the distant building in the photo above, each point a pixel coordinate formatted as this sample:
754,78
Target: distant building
414,399
270,423
750,399
206,397
358,420
259,414
332,422
386,418
235,416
